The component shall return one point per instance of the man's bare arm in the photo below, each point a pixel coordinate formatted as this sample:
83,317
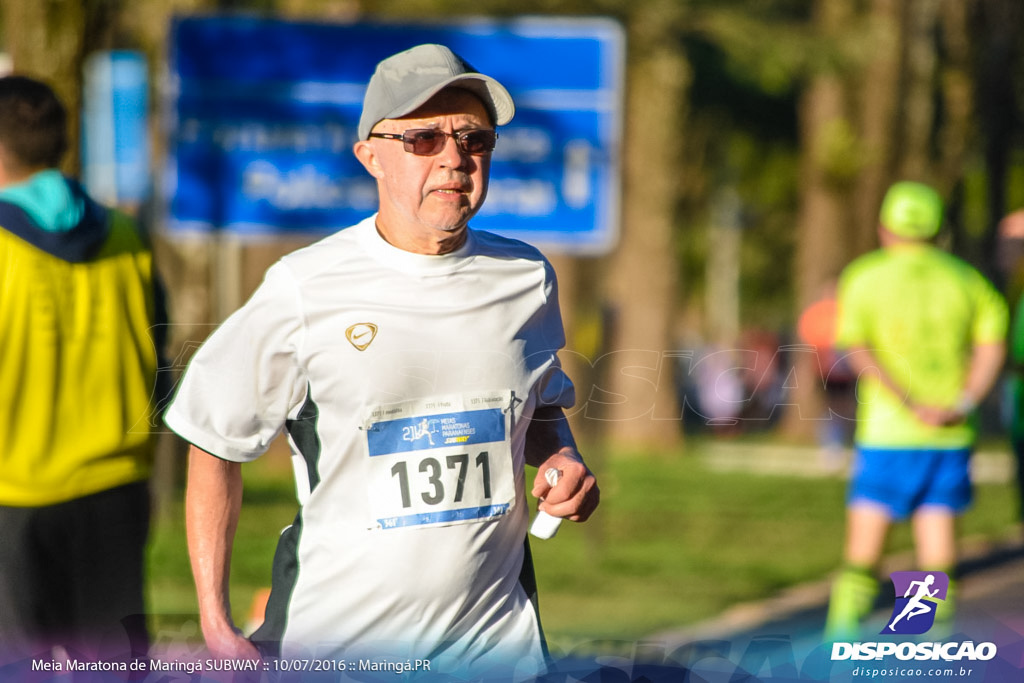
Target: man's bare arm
550,444
861,360
986,364
213,501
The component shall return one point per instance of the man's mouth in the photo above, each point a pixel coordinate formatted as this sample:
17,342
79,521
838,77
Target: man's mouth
451,189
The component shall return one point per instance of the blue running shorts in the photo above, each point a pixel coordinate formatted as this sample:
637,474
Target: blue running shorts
904,479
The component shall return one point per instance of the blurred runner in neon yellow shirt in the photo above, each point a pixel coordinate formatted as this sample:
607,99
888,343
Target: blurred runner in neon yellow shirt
925,333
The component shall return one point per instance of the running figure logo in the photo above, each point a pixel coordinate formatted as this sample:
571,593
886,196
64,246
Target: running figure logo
423,429
914,612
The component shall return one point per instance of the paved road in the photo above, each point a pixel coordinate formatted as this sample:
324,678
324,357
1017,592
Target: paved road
779,639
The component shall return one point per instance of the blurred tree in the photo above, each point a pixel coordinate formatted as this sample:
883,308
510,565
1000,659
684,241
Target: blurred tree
997,29
920,23
893,100
879,108
830,162
50,40
643,270
740,138
860,70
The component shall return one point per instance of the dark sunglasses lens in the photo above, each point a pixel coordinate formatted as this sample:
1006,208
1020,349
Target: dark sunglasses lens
423,142
478,141
428,142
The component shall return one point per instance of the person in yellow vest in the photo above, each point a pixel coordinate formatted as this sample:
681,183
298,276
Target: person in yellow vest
78,311
926,335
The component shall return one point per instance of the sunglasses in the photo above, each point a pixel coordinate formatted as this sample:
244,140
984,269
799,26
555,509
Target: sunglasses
427,142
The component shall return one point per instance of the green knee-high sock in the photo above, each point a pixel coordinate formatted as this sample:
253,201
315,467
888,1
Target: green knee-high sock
945,610
853,595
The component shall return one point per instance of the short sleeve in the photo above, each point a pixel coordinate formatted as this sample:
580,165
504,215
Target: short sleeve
554,388
245,381
851,328
992,322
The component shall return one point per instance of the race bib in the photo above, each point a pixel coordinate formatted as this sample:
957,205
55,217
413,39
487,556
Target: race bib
440,461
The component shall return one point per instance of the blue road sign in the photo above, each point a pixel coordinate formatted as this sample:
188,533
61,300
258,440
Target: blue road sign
265,116
115,121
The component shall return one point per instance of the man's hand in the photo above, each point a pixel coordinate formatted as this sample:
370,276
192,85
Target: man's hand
213,500
576,495
229,643
939,417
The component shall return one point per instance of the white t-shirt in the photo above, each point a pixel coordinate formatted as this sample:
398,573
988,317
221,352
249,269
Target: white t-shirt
405,383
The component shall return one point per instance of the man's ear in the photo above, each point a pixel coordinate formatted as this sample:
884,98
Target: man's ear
367,156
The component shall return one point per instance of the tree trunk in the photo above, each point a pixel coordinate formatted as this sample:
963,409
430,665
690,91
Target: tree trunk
997,93
642,408
46,40
918,91
957,96
823,218
879,97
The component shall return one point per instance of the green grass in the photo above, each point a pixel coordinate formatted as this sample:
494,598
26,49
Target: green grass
673,543
268,507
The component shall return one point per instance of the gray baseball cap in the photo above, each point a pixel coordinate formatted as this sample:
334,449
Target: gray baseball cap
405,81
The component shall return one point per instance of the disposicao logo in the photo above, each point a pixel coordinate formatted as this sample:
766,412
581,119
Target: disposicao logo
916,595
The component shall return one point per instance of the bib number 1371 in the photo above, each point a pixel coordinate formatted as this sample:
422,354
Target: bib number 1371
440,482
440,461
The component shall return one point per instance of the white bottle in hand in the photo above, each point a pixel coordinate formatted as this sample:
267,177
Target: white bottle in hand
544,525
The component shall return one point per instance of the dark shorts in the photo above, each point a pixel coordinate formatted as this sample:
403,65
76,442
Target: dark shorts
72,574
903,480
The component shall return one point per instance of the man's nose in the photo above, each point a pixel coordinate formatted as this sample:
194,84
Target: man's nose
451,154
